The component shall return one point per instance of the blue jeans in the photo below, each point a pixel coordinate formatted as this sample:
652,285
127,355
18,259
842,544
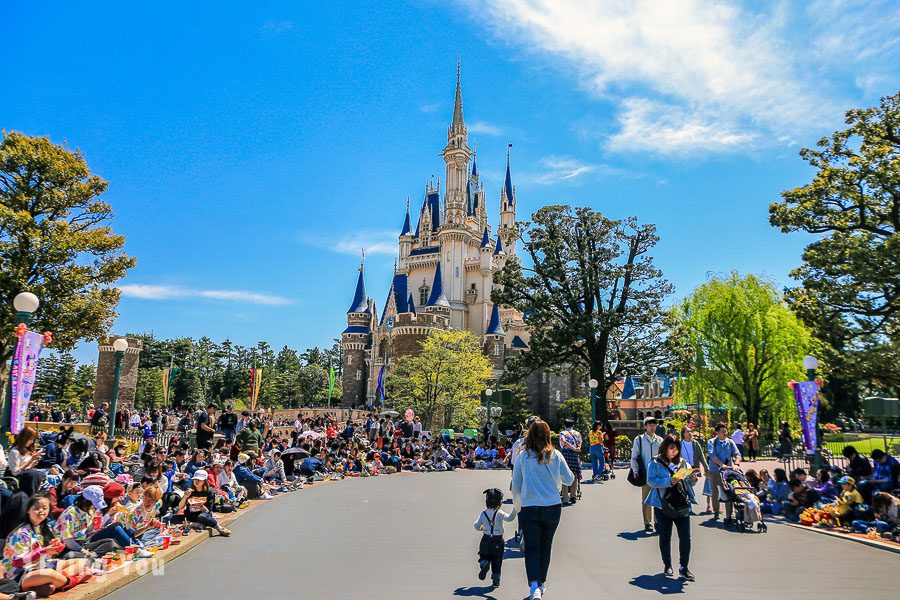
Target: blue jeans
539,525
121,536
597,460
863,526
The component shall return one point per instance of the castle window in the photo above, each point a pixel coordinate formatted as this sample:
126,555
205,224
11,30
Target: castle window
358,375
349,360
423,295
496,349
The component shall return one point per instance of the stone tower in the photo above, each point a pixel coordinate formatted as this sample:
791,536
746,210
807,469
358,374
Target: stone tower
106,372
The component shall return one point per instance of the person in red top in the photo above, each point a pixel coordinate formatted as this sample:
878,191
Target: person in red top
611,435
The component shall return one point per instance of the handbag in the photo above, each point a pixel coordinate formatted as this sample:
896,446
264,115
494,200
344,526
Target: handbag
676,503
638,479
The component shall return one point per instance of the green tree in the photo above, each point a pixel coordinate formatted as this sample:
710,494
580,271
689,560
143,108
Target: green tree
850,277
577,409
592,296
443,383
56,241
747,342
149,390
312,381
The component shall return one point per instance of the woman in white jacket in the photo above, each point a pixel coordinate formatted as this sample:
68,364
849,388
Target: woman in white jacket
539,473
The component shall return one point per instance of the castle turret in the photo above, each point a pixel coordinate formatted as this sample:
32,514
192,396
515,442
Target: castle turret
406,239
494,338
508,209
456,156
437,301
355,339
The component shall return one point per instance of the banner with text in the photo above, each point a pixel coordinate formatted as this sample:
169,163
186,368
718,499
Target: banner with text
806,393
24,368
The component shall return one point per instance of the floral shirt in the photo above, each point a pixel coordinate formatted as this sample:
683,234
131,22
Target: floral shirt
596,437
140,517
73,524
19,552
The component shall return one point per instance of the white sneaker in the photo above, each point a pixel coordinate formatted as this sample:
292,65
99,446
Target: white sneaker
266,496
536,594
143,553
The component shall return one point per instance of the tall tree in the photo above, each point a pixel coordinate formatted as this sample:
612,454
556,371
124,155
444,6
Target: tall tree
591,294
56,241
746,342
850,278
443,383
149,390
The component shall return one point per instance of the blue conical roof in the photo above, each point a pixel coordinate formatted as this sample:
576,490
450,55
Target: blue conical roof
507,185
494,327
486,239
499,247
437,297
410,305
407,228
360,303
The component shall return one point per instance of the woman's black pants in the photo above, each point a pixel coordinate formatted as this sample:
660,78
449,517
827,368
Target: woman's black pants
664,529
539,524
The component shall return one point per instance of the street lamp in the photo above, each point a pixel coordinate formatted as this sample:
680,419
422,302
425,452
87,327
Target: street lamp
811,363
120,346
487,394
25,303
593,383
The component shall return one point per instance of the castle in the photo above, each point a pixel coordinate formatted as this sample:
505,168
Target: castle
443,280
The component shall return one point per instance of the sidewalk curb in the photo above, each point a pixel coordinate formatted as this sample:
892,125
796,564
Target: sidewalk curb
866,541
100,589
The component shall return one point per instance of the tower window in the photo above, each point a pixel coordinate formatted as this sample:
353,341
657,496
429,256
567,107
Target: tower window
358,375
423,295
349,360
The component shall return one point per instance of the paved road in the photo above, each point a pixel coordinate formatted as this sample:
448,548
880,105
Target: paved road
410,537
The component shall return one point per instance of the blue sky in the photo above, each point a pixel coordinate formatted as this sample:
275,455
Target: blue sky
252,150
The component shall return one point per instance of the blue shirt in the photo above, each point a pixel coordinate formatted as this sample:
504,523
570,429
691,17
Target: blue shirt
659,478
725,450
883,471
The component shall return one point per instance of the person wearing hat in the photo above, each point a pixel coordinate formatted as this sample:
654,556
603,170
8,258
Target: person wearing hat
205,430
75,522
228,424
253,483
842,508
197,503
643,450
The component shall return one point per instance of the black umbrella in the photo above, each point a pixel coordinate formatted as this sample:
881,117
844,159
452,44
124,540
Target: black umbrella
296,453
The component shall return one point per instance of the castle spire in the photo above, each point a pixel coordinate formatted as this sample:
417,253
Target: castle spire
507,185
457,106
406,225
494,327
437,297
360,302
411,305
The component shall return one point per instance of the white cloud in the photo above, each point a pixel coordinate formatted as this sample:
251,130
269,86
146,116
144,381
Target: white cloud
558,169
171,292
485,128
373,242
430,107
698,75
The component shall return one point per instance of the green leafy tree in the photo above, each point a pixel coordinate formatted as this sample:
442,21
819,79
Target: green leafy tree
747,342
850,277
592,296
443,383
577,409
56,241
312,381
149,390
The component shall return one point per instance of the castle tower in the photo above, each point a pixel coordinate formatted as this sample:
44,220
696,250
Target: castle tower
437,301
456,157
494,339
406,239
355,339
508,209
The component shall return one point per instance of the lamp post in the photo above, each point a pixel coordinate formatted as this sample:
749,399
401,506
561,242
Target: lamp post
25,304
487,395
593,383
811,363
120,346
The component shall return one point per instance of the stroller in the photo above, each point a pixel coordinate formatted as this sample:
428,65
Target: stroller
737,490
608,472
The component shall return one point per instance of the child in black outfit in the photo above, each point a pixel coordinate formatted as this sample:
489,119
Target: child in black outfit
490,522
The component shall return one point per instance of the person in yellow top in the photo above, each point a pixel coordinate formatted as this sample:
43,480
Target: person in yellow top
597,437
846,500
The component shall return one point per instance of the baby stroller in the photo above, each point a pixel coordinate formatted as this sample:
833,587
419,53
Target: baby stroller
737,490
608,472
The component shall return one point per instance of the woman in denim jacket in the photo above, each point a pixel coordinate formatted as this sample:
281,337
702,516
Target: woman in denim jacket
659,478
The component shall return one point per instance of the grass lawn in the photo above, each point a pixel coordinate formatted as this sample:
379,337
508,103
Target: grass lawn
864,446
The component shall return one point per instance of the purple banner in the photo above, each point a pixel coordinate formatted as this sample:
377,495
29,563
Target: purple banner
24,368
806,393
